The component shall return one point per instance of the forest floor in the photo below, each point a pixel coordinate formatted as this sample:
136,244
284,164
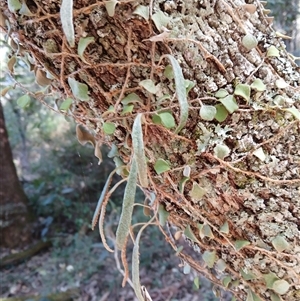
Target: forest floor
81,263
62,183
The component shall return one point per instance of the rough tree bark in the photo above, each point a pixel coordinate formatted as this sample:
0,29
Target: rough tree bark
238,199
14,214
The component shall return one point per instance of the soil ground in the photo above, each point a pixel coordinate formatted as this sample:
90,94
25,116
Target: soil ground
80,262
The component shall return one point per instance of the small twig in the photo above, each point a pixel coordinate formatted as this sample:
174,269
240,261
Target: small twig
251,173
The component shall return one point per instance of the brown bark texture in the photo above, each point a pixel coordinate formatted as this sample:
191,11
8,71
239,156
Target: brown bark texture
14,214
231,184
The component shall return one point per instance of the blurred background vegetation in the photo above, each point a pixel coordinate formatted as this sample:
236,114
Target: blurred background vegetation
63,181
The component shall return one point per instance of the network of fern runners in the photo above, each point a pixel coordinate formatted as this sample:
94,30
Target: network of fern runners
199,104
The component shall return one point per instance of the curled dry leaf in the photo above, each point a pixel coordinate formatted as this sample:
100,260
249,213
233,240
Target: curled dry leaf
97,152
84,136
101,198
136,265
41,78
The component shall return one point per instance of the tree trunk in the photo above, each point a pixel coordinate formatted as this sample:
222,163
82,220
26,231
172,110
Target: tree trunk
231,171
15,217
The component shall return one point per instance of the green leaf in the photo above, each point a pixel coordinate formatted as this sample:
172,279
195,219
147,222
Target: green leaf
66,18
179,249
25,11
272,51
161,166
139,150
279,100
79,90
84,136
208,112
248,276
156,119
197,282
258,85
252,296
110,7
229,103
163,214
225,228
259,153
281,286
235,283
240,244
221,265
127,207
186,171
189,85
209,257
281,83
270,278
131,98
189,233
160,20
167,119
294,111
222,113
168,73
109,128
142,11
149,85
23,101
226,280
249,41
222,93
164,97
243,90
197,192
14,5
83,43
221,151
110,110
275,297
280,244
181,93
65,105
114,152
249,295
182,183
127,109
186,268
205,230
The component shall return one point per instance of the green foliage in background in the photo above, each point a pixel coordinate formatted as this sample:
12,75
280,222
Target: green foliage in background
286,13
